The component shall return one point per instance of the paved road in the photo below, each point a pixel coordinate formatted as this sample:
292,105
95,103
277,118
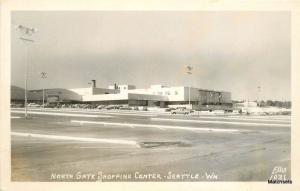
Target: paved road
146,146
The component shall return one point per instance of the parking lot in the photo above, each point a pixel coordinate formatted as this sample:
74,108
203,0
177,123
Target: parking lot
116,145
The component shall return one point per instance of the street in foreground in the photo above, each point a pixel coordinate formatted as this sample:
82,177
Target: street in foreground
147,146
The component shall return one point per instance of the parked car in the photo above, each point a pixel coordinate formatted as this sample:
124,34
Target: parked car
144,108
93,106
50,105
16,105
100,106
182,111
110,107
170,109
33,105
125,108
136,108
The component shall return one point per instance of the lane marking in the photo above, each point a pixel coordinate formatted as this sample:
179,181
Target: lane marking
158,126
15,117
102,147
244,119
221,122
96,112
128,114
260,118
110,112
63,114
83,139
161,128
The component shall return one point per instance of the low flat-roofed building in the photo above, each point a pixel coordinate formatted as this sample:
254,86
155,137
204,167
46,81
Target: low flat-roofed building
155,95
51,95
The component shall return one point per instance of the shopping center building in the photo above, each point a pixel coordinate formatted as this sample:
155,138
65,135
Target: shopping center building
155,95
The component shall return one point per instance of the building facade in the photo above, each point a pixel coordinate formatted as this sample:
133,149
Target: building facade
155,95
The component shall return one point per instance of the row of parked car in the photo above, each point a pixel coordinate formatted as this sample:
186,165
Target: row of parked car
104,107
81,106
122,107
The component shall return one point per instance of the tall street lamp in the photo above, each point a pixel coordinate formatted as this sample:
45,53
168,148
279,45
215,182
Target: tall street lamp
43,76
189,72
26,33
258,97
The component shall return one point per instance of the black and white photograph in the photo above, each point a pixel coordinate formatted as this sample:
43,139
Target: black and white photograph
150,96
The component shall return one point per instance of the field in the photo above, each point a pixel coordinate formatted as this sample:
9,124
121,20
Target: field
90,145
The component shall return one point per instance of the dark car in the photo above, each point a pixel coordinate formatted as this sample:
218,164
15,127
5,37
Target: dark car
110,107
125,108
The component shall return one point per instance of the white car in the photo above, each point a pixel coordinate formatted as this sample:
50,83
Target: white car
33,105
182,111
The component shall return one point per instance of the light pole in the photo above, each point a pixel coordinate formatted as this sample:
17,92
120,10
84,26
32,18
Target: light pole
189,72
258,96
43,76
26,33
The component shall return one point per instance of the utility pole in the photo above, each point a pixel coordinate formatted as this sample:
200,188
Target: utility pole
26,33
189,72
43,76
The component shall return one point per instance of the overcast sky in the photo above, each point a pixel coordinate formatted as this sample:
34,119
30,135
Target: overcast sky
231,51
